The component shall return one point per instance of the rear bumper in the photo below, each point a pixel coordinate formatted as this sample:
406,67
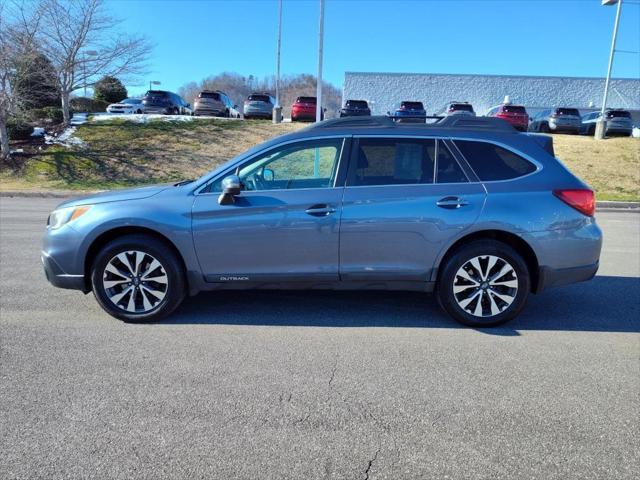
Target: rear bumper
58,277
555,277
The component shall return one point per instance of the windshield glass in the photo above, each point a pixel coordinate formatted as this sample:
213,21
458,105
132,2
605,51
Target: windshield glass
131,101
259,98
412,105
212,95
618,114
513,109
568,111
306,100
465,107
356,104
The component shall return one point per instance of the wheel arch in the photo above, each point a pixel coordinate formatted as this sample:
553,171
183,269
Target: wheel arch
105,237
515,241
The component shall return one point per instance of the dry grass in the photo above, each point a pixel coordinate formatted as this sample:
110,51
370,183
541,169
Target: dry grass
121,153
611,166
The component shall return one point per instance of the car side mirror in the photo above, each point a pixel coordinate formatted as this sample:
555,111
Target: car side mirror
268,175
231,187
235,106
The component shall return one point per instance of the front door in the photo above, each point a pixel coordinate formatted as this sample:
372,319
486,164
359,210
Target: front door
284,225
401,207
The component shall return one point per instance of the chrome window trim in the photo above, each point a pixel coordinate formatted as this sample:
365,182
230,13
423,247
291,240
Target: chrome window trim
234,165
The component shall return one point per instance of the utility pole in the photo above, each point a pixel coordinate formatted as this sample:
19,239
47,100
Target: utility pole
277,109
320,46
601,124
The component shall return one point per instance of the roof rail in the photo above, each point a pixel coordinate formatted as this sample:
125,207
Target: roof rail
452,121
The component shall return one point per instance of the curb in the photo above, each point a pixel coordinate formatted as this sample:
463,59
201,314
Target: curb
603,205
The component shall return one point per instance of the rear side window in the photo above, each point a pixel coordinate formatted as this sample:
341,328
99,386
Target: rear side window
448,170
389,161
491,162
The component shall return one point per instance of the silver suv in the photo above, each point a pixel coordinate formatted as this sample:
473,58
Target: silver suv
259,105
215,103
465,207
556,120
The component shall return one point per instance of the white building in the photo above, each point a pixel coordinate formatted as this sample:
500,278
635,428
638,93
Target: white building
384,91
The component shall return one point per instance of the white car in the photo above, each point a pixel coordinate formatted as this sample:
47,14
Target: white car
128,105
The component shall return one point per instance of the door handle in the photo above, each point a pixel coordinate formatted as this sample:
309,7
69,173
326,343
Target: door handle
451,203
321,210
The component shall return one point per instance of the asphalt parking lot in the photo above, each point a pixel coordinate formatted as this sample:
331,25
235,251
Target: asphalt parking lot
283,385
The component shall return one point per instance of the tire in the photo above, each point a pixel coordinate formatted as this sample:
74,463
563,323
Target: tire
502,297
544,127
114,291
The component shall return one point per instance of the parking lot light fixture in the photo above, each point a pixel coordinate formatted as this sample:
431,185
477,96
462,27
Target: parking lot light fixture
319,82
277,109
153,82
85,56
601,124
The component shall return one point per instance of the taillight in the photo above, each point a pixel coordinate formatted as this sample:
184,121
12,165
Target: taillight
582,199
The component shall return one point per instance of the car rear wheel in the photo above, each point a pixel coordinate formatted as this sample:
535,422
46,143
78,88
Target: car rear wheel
137,278
483,284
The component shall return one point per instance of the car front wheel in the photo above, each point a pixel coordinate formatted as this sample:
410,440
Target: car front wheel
483,284
137,278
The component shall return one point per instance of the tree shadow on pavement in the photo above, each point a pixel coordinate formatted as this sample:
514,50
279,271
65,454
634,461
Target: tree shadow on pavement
604,304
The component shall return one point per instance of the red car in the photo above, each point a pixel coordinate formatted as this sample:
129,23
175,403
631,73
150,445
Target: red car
305,110
516,115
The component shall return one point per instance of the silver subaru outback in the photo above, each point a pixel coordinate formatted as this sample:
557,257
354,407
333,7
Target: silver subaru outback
466,208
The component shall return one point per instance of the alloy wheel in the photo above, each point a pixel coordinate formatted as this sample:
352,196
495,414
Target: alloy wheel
135,281
485,286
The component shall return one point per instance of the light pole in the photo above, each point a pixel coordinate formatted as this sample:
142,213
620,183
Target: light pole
88,53
277,109
601,124
153,82
320,46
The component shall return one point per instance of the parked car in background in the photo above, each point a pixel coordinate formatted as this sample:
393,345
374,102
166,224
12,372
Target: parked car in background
259,105
410,112
355,108
555,120
426,208
128,106
459,108
215,103
304,109
619,122
516,115
167,103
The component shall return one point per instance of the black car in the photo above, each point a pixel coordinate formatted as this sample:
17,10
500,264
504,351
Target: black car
166,103
355,108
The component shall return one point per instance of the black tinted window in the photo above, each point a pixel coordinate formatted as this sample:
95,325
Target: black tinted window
567,111
491,162
306,100
448,169
412,105
212,95
259,98
356,104
387,161
618,113
464,107
513,109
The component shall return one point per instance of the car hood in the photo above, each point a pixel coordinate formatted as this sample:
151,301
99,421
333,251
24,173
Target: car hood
117,195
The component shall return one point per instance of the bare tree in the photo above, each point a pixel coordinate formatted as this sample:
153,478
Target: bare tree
18,27
79,38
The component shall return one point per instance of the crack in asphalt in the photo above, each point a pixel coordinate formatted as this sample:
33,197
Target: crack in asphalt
366,472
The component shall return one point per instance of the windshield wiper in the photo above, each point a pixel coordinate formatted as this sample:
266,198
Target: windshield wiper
183,182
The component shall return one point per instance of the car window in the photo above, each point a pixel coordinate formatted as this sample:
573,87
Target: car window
259,98
491,162
392,161
310,164
448,169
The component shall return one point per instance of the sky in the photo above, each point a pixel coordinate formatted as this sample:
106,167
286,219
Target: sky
196,39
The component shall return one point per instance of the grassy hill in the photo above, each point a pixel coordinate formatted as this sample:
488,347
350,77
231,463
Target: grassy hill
118,153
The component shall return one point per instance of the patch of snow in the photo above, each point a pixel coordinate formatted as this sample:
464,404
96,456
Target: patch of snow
636,132
148,117
66,138
79,118
38,132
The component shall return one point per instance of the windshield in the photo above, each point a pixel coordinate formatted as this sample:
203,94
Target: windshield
356,104
156,93
464,107
306,100
212,95
259,98
568,111
412,105
513,109
618,114
131,101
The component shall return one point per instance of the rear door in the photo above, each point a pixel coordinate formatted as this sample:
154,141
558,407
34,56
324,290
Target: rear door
404,200
284,225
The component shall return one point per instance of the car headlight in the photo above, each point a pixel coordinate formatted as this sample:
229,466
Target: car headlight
62,216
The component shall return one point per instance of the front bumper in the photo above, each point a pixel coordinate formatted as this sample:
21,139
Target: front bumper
160,110
59,278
